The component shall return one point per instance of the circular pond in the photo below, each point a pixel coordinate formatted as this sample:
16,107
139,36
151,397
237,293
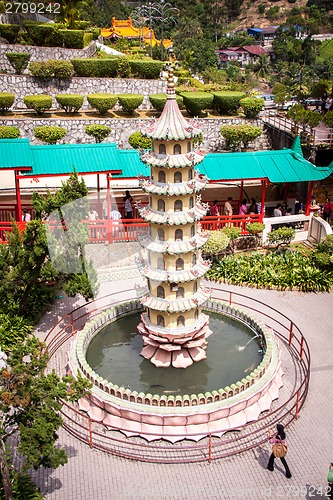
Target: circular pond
233,352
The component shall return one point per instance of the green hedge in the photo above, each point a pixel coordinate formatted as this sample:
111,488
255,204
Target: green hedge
96,67
39,33
49,133
227,103
6,101
145,69
130,102
71,103
98,132
19,61
196,102
52,67
9,32
40,103
9,132
252,106
138,141
158,101
102,102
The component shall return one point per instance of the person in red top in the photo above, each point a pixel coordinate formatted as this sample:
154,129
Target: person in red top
280,437
327,209
214,209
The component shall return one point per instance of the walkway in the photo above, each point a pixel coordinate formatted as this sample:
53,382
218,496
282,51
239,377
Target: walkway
91,474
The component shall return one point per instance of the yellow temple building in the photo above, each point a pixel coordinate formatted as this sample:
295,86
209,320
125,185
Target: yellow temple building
124,29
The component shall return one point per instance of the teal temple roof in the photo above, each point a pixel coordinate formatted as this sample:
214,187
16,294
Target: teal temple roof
286,165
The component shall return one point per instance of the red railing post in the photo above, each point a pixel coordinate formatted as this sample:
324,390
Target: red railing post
291,334
230,297
297,405
90,433
72,324
209,448
301,348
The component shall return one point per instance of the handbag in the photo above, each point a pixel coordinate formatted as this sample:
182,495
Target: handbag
279,450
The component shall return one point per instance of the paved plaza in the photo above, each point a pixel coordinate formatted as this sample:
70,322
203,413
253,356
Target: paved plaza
91,474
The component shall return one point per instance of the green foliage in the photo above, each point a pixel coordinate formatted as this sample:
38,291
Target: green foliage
217,242
261,8
249,133
145,69
13,331
9,32
75,39
130,102
41,69
96,67
71,103
232,232
255,227
319,88
6,101
24,488
197,102
49,133
252,106
158,101
39,33
123,68
9,132
52,67
235,135
102,102
227,103
19,61
328,119
326,245
138,141
40,103
98,132
281,236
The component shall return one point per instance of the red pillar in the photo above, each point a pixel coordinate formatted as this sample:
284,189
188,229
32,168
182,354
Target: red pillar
241,194
18,208
308,200
263,196
108,221
100,210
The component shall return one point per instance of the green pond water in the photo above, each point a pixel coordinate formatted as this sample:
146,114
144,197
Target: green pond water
233,352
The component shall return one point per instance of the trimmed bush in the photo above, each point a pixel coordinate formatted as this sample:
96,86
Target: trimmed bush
235,135
227,103
281,236
9,32
96,67
102,102
71,103
130,102
9,132
217,242
158,101
196,102
98,132
81,25
19,61
39,33
249,133
123,69
252,106
52,67
138,141
6,101
145,69
40,103
50,134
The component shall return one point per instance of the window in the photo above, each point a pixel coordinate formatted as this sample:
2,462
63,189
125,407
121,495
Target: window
194,259
190,174
191,202
179,264
178,206
162,149
188,147
180,321
160,292
192,230
180,292
195,287
178,177
179,235
160,320
161,176
177,149
160,263
161,205
160,234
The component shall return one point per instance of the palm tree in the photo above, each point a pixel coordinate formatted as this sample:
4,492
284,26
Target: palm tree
69,12
262,66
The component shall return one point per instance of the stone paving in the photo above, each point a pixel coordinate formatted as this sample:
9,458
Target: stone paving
91,474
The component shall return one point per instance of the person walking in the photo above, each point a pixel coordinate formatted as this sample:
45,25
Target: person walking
330,481
214,211
279,439
128,205
228,210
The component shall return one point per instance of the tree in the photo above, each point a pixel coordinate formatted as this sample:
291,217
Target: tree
262,66
50,134
30,402
98,132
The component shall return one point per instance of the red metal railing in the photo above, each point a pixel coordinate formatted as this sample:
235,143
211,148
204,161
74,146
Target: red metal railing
210,448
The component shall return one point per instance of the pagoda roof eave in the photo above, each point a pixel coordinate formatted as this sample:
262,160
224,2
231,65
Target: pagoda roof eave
174,218
173,247
183,276
178,305
173,189
173,161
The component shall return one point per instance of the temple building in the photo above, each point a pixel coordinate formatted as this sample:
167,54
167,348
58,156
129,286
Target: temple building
174,329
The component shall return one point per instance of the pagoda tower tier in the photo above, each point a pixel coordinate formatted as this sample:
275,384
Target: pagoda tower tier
173,328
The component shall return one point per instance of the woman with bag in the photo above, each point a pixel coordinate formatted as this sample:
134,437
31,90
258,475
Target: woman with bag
279,450
330,481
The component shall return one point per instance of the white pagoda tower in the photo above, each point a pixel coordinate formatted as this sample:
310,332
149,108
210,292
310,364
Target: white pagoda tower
174,329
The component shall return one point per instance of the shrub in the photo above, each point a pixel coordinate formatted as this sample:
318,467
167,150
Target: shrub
145,69
9,132
235,135
326,245
6,101
281,236
52,67
328,119
73,39
98,132
138,141
249,133
40,103
81,25
9,32
196,102
227,103
232,232
261,8
158,101
19,61
49,134
123,68
102,102
96,67
71,103
255,227
130,102
216,243
252,106
40,69
39,33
